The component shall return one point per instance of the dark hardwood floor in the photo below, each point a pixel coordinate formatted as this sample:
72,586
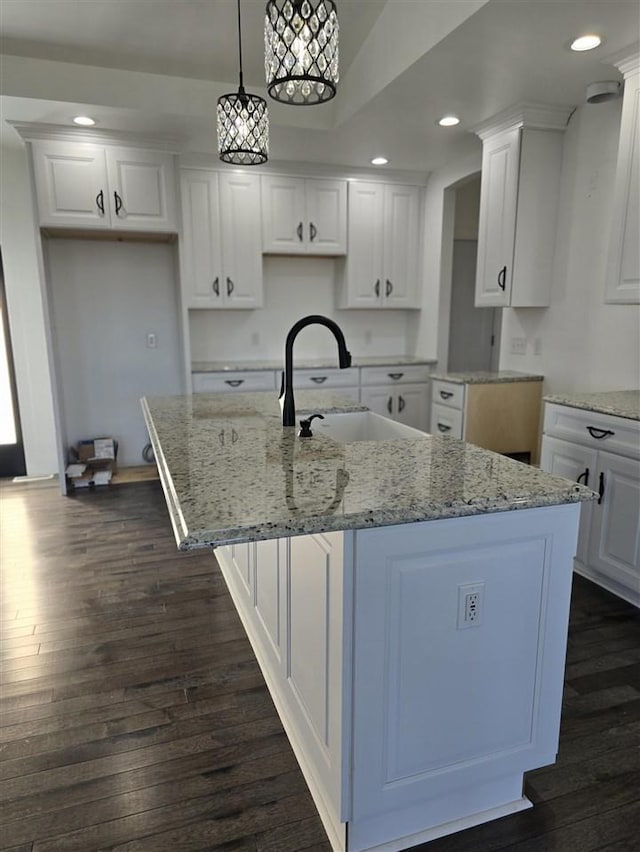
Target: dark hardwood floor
133,715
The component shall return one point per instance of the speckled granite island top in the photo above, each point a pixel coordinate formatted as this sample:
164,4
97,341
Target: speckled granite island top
486,377
308,363
231,473
619,403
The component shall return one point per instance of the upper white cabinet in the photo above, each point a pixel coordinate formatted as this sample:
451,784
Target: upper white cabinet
382,267
220,246
623,272
521,161
304,216
85,185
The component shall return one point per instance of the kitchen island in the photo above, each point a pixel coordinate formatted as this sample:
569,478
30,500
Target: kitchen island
407,601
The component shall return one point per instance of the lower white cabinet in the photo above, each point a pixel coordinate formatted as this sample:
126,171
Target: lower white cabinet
399,392
608,550
246,381
409,724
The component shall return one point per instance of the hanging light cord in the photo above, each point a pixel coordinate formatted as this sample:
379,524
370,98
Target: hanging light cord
241,86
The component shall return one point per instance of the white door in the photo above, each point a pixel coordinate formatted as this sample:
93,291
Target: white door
401,230
326,216
579,464
496,230
200,249
614,544
412,403
241,242
284,229
142,190
364,284
71,184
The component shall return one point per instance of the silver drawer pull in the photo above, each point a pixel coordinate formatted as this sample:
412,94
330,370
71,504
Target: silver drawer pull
599,433
446,394
234,383
318,379
443,427
395,376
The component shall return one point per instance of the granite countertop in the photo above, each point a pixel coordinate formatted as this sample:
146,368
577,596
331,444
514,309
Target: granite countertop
308,363
232,474
619,403
486,377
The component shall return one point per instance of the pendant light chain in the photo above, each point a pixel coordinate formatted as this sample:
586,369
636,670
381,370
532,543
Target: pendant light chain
243,122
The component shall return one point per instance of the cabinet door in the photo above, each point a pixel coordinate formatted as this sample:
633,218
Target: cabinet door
614,543
577,463
401,230
200,260
413,405
496,229
283,215
363,285
71,184
623,274
381,400
241,243
142,189
326,216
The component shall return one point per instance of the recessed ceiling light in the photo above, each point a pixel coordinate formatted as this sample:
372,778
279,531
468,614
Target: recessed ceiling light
379,161
84,120
585,42
449,121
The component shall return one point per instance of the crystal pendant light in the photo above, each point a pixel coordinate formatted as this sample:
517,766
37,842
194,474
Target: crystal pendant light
243,123
301,51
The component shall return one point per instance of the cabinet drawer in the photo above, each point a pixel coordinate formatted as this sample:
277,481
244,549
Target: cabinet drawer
446,421
327,378
599,431
239,381
394,375
447,393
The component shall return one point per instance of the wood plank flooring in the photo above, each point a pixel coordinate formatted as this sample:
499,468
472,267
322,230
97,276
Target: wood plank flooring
134,718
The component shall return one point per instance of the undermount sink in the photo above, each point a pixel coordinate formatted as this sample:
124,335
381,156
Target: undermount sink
363,426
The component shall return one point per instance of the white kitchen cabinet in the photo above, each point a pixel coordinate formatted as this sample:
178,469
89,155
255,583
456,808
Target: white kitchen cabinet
623,271
244,381
401,393
603,452
220,249
106,187
521,162
304,216
382,266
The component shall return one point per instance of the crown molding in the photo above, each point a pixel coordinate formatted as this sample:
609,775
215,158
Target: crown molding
532,115
627,61
30,131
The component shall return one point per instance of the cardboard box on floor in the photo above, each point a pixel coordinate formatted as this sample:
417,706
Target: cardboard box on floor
98,459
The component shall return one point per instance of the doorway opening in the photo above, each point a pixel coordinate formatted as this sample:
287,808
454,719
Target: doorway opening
474,333
12,461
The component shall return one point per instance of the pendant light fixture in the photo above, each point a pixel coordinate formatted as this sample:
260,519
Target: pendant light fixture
301,51
243,123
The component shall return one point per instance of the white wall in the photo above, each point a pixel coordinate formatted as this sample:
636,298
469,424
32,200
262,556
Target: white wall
428,330
22,260
293,288
105,297
586,345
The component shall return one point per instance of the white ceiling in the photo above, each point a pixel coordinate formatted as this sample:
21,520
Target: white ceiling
403,64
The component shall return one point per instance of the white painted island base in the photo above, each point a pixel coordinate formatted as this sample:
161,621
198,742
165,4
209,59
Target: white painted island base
409,720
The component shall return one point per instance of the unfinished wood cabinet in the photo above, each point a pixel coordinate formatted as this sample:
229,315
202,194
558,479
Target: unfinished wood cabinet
498,415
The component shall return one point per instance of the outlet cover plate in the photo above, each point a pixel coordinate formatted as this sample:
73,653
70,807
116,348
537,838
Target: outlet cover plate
470,605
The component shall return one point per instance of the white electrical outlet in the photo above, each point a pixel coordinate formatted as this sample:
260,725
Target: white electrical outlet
518,345
470,605
152,340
